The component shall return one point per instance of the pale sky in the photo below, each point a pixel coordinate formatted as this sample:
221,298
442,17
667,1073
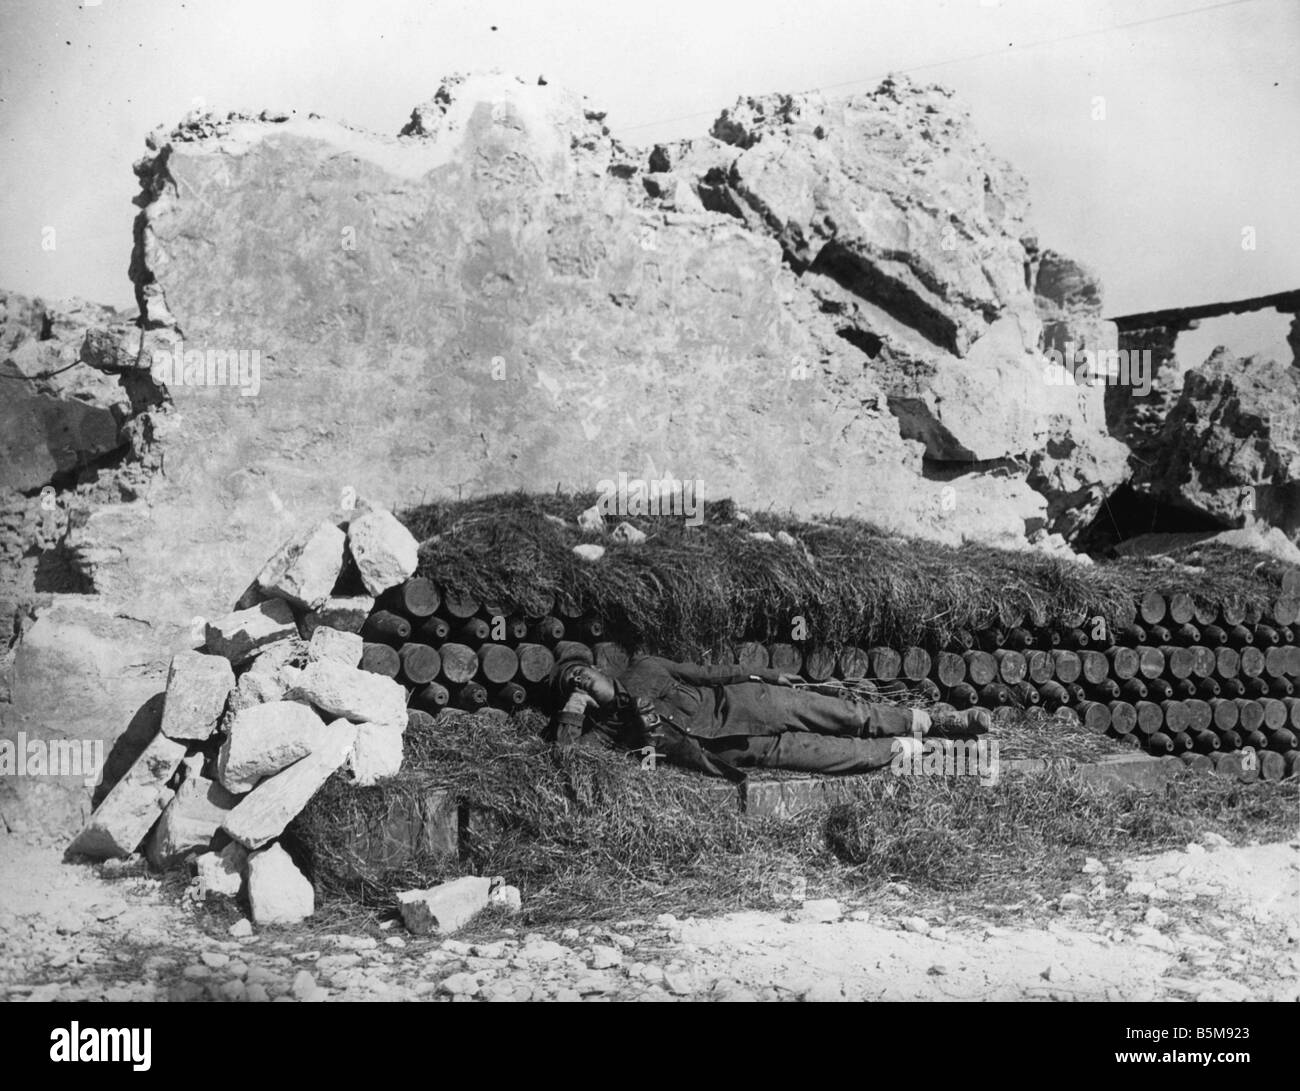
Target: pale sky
1200,138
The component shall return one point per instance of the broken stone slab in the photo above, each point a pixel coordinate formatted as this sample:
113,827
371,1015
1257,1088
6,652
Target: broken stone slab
262,740
336,646
257,689
346,613
262,815
1119,771
304,569
278,893
377,754
122,820
272,658
357,695
237,636
272,672
385,552
444,908
189,821
222,872
197,688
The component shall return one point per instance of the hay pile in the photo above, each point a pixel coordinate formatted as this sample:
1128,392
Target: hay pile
576,831
687,588
591,835
954,835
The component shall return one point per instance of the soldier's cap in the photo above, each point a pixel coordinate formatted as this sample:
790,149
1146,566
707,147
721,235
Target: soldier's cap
561,680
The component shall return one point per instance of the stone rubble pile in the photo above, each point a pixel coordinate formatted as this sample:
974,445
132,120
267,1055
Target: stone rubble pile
258,719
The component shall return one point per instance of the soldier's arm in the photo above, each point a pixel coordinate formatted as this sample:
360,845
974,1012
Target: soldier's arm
696,675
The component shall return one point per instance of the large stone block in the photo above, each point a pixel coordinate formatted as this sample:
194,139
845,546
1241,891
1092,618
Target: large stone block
385,552
304,569
278,893
269,659
336,646
257,689
262,740
445,908
222,873
197,688
378,752
345,613
189,821
357,695
122,820
262,815
238,635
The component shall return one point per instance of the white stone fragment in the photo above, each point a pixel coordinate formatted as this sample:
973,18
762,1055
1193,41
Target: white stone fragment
345,613
122,819
627,534
385,552
377,754
262,740
278,893
189,821
222,872
304,569
335,646
357,695
197,688
262,815
444,908
237,636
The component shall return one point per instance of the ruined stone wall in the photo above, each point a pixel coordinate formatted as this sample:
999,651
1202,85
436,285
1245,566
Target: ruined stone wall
822,307
1218,438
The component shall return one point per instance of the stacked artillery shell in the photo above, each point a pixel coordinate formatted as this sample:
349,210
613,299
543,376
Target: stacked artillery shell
448,649
1173,674
1177,676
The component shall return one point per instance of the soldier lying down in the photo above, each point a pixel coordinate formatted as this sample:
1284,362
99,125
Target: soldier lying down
721,720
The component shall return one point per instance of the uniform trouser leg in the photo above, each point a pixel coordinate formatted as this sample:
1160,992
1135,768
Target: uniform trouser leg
805,752
822,714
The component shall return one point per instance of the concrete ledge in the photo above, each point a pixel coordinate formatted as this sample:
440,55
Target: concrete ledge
1025,765
1131,771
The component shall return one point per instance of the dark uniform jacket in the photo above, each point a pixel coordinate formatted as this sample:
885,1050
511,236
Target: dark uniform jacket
688,706
708,702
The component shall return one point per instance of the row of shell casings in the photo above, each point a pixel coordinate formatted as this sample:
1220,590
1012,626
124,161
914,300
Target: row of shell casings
451,650
1130,634
1282,608
1064,676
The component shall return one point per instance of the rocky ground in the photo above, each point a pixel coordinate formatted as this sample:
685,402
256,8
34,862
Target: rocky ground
1209,922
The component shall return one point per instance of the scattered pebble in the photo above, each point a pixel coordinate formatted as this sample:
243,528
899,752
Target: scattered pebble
604,958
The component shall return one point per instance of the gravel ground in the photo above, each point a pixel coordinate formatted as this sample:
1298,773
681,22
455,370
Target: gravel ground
1209,922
